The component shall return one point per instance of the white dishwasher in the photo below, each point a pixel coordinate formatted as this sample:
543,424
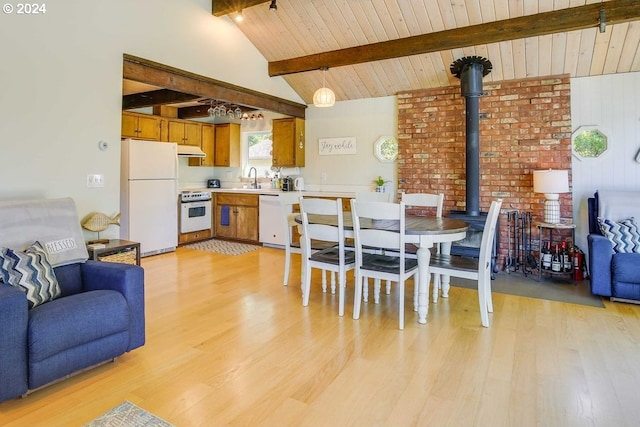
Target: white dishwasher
271,221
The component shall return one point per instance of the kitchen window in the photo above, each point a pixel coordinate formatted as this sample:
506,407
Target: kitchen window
259,149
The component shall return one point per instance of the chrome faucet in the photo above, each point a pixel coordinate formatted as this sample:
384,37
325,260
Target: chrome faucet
254,184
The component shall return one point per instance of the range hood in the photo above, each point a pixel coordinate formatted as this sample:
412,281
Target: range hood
190,151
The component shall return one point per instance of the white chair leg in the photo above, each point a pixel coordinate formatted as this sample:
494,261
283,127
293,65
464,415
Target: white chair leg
436,287
333,282
388,290
342,280
357,297
324,281
488,294
365,289
445,281
482,300
307,285
376,291
401,306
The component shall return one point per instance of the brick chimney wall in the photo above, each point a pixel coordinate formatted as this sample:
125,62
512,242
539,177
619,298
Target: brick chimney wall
525,125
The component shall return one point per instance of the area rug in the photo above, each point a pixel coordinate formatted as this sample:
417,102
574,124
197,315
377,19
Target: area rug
223,247
127,414
553,290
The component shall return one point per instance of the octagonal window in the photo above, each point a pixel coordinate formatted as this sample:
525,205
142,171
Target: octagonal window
386,149
589,142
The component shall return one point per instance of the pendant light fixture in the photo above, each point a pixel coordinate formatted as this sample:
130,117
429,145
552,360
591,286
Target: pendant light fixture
324,97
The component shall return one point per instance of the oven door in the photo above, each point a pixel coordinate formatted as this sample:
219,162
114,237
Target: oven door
195,216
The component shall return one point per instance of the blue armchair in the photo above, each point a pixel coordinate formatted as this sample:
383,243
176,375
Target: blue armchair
613,271
98,315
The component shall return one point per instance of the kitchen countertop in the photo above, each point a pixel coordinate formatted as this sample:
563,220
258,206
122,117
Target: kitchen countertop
273,192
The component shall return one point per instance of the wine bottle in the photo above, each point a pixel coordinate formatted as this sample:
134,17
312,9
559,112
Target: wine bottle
556,263
546,256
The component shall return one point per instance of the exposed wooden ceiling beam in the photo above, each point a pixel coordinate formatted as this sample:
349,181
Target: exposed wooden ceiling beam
223,7
153,73
156,97
557,21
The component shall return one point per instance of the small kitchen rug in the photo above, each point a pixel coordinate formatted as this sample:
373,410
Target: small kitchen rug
127,414
223,247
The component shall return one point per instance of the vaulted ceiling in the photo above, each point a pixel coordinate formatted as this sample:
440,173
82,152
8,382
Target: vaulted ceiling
378,48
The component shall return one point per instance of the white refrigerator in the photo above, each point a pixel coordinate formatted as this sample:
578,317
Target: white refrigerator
149,195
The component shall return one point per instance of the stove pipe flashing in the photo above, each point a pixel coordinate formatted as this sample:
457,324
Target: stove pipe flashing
470,70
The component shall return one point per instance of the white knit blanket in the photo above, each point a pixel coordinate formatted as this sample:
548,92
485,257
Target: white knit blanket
52,222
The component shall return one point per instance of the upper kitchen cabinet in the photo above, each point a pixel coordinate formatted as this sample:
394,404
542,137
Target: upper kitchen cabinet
207,145
288,142
184,132
140,126
227,145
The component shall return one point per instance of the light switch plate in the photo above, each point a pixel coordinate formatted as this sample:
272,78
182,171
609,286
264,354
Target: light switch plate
95,180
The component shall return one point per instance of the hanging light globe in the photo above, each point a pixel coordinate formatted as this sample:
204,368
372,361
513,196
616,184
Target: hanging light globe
324,97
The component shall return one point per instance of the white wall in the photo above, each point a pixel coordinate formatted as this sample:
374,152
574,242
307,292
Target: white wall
61,91
612,103
364,119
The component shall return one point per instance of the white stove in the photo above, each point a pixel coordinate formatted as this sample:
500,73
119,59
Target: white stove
195,211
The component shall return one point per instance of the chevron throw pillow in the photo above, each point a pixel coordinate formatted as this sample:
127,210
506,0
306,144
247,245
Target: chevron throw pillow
624,235
31,272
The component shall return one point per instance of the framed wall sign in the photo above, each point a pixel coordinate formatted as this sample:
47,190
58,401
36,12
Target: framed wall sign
337,146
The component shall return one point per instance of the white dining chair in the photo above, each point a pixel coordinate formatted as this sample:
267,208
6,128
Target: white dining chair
422,201
394,267
471,268
287,201
374,196
335,258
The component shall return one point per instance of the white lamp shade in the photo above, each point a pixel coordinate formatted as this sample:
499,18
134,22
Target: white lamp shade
324,97
551,181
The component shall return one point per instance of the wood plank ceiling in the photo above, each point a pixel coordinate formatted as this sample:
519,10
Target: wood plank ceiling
301,28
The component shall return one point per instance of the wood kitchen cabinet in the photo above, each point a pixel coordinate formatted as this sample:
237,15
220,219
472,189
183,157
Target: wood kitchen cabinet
288,142
227,144
207,145
140,126
184,132
242,221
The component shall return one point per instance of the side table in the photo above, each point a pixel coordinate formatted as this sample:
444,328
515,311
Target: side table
564,224
116,250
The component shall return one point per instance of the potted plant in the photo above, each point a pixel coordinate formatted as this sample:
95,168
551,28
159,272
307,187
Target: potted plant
380,182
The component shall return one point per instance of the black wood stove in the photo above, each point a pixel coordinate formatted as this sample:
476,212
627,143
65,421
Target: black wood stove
470,70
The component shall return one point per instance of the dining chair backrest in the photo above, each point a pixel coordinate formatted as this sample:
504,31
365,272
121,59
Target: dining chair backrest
287,201
378,211
320,231
424,200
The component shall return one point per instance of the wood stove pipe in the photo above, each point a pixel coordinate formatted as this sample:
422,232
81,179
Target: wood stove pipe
470,70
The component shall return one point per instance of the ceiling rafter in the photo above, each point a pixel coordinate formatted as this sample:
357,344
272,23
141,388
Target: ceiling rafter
557,21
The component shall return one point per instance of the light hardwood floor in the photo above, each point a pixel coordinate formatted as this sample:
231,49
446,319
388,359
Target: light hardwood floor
228,345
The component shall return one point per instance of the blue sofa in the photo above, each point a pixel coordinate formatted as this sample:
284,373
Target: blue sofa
614,273
97,316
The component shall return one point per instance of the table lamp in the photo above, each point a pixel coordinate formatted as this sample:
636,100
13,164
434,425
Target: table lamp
551,182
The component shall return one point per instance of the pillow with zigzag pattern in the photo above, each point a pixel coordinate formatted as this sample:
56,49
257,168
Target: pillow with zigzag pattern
31,272
624,235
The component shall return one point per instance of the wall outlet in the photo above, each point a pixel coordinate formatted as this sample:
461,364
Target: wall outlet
95,180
